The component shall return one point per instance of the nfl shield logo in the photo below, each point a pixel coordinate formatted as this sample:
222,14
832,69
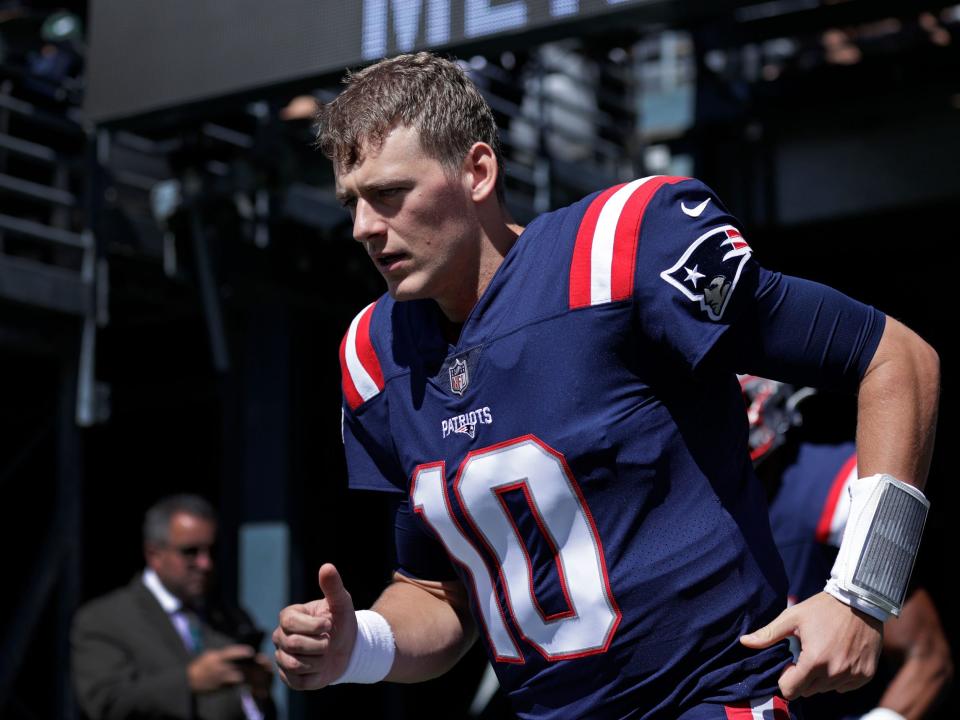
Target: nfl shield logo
459,377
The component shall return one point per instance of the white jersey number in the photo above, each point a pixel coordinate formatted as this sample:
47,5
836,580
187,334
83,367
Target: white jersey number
556,503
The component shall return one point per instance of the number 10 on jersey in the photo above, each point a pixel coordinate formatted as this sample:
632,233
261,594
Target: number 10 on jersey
557,504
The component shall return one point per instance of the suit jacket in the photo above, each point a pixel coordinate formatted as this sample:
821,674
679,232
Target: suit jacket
129,661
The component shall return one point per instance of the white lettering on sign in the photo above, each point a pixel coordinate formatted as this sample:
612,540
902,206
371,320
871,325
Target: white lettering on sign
406,25
411,21
481,18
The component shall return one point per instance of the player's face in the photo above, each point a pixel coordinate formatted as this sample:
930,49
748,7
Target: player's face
414,217
184,563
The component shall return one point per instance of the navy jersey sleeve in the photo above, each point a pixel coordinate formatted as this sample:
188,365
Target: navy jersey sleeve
420,554
692,263
700,293
804,333
371,466
371,460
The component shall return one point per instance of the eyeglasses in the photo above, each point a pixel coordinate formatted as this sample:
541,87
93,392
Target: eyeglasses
192,552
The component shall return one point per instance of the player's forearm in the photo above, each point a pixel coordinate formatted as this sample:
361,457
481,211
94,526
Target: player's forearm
896,421
898,407
431,625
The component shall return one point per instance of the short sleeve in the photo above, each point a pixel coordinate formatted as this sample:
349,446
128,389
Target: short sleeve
420,554
694,270
804,333
699,293
371,460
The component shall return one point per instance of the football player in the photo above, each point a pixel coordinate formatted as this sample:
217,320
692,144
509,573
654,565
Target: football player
559,407
807,472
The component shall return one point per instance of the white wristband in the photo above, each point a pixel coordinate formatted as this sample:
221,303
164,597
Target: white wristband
882,713
373,651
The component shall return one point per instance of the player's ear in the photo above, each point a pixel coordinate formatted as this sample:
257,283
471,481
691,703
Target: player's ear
480,171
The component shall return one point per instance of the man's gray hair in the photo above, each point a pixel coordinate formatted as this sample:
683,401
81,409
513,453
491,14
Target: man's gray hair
156,522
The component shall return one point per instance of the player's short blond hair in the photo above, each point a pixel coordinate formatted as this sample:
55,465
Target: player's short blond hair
419,90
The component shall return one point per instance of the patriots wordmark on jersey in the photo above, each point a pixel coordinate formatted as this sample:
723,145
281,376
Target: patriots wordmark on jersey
578,464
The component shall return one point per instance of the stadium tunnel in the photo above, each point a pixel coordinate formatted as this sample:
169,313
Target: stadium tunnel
176,275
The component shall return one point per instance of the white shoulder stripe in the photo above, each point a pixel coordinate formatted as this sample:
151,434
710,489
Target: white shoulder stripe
365,385
601,250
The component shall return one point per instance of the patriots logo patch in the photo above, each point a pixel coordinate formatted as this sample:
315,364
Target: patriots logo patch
709,269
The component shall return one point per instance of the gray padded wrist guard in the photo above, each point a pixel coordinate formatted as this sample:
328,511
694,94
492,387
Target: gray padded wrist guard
879,544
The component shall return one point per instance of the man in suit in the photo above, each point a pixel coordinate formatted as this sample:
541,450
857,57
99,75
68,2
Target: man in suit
159,647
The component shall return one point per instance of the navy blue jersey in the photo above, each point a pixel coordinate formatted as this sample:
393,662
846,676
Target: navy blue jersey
809,512
579,457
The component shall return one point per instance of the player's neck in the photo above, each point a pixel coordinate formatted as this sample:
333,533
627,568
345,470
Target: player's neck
475,275
493,251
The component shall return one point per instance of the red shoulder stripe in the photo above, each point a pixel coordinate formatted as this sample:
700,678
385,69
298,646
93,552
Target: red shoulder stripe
605,252
360,368
628,236
580,267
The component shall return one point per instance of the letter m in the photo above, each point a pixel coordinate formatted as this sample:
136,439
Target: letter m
406,25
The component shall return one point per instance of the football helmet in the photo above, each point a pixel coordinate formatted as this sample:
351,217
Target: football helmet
771,411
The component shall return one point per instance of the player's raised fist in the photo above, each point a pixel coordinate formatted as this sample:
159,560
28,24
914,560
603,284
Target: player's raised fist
314,640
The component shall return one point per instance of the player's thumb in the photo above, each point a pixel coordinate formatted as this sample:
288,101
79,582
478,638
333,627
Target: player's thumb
779,628
336,595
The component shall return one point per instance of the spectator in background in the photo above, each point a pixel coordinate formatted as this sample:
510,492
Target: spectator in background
161,646
806,475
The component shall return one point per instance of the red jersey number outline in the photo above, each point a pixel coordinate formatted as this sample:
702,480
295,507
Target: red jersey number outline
561,512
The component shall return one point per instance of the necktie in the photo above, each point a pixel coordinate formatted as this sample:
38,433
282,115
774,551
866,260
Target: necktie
196,638
188,627
190,630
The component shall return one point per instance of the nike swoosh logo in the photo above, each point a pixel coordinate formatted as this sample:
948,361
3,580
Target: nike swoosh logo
695,211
